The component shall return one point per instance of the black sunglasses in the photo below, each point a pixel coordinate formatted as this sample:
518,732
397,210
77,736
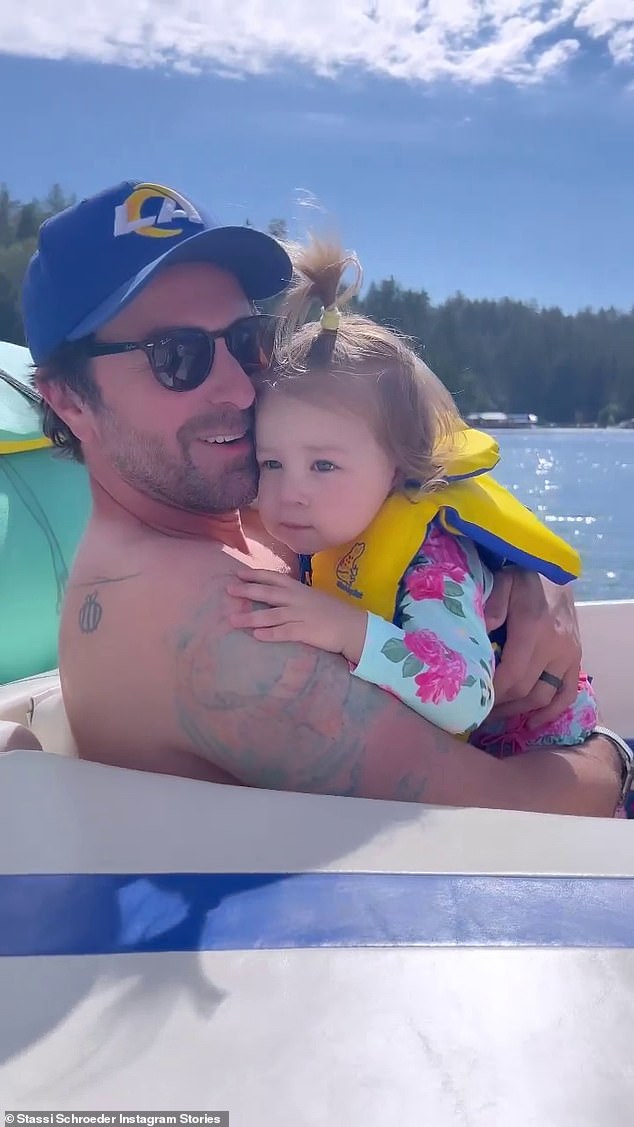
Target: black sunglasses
181,359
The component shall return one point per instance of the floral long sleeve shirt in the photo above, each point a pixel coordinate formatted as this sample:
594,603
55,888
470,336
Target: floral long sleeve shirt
436,655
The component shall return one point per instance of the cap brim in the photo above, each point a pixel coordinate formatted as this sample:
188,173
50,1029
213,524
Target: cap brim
259,262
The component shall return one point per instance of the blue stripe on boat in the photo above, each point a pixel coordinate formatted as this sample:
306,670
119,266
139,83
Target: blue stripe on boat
83,914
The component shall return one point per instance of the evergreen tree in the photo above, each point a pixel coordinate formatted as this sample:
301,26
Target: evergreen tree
493,355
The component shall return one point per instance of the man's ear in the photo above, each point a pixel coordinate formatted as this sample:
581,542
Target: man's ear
67,404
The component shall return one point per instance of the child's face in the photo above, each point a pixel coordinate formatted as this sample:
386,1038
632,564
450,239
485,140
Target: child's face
323,475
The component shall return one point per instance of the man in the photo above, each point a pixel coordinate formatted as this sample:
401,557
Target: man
139,315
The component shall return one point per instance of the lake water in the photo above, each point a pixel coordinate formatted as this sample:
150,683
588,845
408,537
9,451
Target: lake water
581,482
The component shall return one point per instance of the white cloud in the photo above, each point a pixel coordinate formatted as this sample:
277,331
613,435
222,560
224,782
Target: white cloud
472,41
603,19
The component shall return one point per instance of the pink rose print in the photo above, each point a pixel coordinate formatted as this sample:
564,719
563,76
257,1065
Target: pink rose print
446,553
558,727
426,583
578,717
435,686
588,716
478,603
447,670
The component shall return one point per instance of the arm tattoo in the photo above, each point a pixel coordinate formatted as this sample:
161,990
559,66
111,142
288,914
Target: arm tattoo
90,613
290,717
91,610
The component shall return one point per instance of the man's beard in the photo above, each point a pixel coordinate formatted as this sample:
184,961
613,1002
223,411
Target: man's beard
145,462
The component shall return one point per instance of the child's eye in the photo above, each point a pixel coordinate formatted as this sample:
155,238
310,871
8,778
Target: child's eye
270,464
323,466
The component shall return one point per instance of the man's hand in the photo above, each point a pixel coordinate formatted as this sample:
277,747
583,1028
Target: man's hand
542,635
296,613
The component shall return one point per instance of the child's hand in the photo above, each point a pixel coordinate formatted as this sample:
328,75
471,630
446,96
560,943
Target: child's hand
296,613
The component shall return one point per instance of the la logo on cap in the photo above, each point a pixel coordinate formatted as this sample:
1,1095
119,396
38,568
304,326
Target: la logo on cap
173,208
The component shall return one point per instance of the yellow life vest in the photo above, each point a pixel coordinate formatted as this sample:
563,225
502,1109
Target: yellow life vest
367,571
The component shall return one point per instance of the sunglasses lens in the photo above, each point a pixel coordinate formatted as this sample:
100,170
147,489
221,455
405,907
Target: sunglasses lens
182,361
251,341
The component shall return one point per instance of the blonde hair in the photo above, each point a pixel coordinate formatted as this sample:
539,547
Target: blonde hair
356,363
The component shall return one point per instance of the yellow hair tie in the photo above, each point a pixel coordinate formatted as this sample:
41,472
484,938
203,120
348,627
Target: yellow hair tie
330,319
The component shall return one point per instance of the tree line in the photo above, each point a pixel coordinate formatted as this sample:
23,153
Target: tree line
502,355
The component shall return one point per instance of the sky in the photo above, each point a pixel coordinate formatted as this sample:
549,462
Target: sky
480,146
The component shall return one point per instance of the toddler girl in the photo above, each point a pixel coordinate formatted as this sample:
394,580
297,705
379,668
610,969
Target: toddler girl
370,476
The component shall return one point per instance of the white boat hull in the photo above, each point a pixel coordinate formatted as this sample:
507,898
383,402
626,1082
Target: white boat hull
299,960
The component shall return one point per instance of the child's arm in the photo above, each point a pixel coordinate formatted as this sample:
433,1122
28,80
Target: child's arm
293,612
441,662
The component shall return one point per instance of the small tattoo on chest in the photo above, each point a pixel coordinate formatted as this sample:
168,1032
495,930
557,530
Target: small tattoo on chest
90,613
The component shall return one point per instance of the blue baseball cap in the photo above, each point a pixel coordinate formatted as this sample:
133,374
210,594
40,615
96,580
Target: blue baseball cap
95,256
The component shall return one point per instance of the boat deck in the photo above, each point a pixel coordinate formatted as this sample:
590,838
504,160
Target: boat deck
305,960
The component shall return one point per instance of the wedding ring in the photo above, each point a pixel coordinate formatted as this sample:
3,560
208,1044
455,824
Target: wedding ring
550,679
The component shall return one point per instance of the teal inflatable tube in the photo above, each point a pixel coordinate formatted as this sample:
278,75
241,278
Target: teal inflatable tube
44,506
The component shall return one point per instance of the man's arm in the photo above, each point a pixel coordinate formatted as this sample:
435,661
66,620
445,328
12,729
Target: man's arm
290,717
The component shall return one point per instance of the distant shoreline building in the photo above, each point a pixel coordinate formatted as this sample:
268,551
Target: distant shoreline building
502,420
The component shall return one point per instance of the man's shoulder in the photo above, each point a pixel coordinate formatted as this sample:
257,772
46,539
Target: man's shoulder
170,561
157,599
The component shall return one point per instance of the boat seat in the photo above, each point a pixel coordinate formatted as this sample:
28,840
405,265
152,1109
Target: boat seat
37,703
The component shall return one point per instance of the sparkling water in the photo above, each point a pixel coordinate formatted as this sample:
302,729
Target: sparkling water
581,482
